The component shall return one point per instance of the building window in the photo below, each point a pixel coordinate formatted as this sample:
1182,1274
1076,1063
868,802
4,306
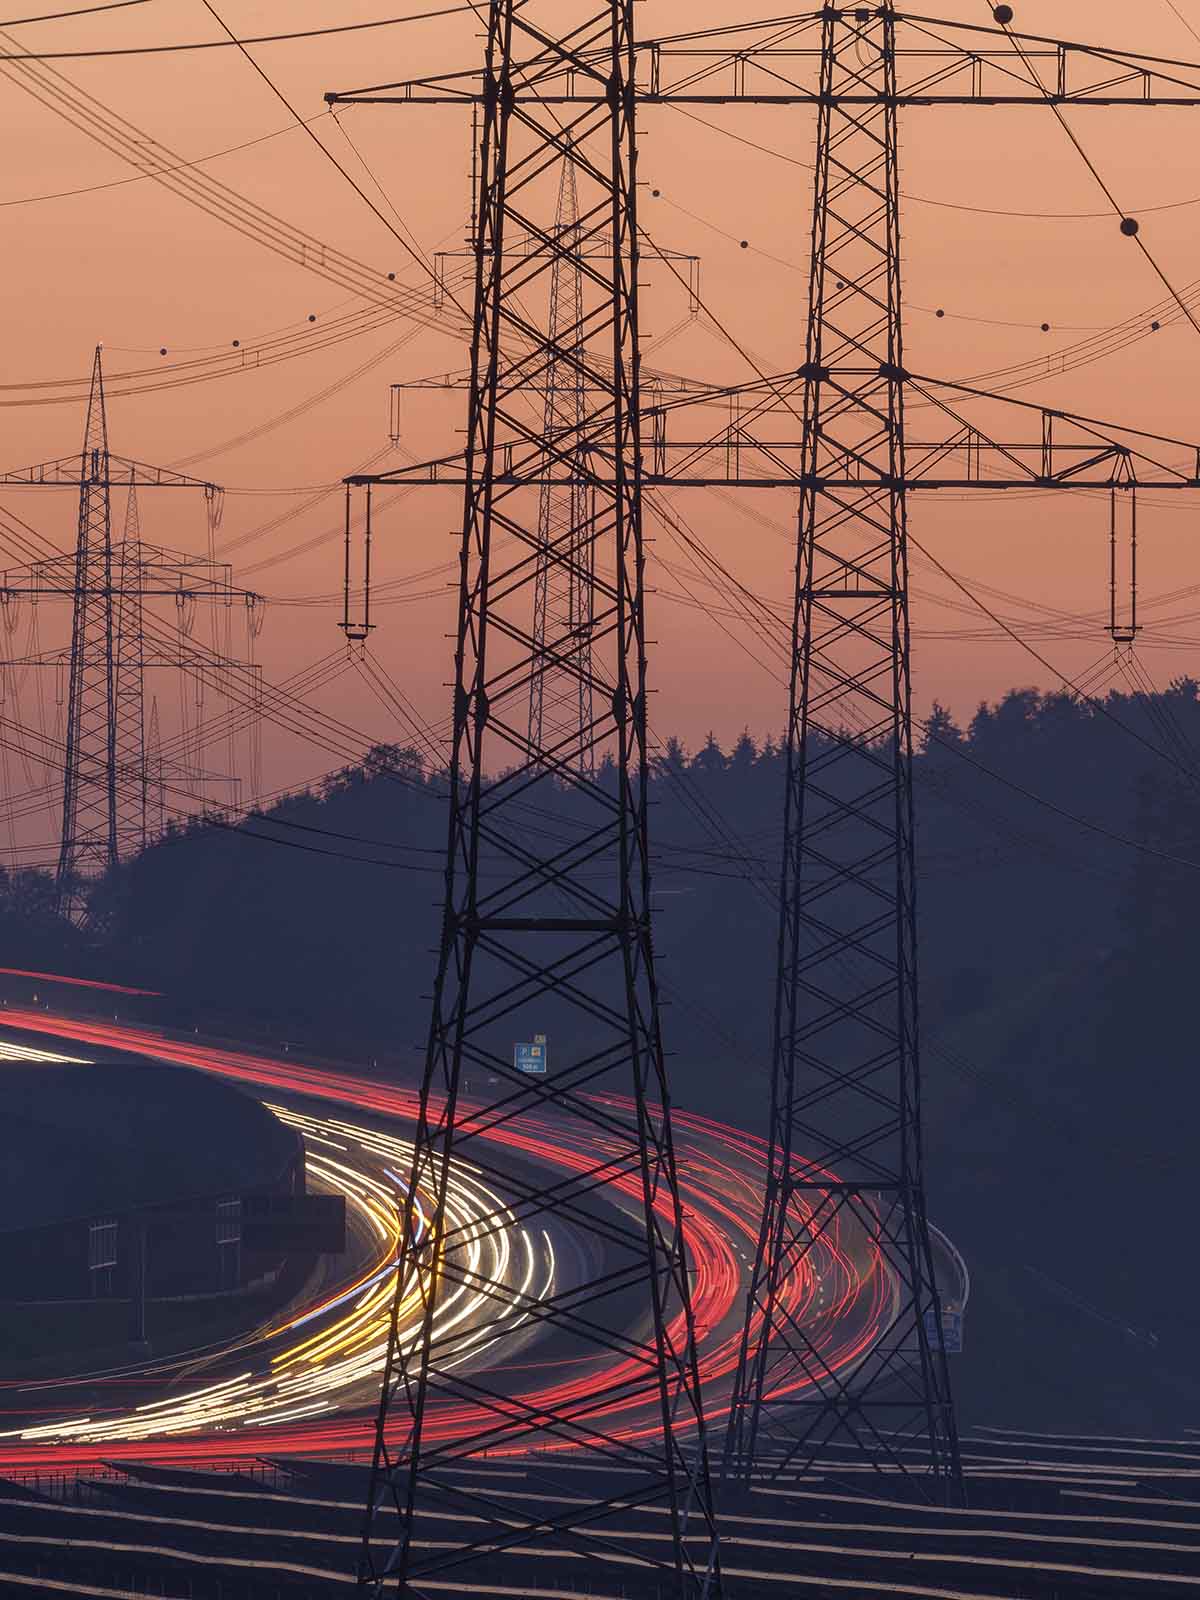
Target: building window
102,1256
229,1243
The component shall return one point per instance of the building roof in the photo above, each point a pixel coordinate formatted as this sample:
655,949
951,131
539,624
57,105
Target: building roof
84,1140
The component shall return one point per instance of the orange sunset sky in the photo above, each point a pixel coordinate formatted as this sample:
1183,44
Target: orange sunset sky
1004,229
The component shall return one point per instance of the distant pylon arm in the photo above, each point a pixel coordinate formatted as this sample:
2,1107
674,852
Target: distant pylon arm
121,473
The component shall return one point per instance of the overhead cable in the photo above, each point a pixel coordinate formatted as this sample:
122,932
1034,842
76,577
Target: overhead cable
216,44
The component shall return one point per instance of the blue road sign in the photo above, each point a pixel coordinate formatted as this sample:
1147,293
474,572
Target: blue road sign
952,1330
530,1058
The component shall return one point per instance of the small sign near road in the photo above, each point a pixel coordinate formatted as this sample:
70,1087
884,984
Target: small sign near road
531,1058
952,1330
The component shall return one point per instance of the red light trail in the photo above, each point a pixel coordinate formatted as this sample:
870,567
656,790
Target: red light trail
78,983
843,1297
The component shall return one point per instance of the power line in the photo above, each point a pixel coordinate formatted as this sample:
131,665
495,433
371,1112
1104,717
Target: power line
57,16
928,200
761,617
244,832
149,157
215,44
140,177
1129,225
416,255
1174,9
387,199
1061,811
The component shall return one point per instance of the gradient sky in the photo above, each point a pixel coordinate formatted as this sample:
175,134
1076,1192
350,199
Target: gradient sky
139,269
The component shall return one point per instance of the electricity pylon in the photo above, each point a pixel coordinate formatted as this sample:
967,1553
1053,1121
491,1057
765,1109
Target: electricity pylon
548,936
560,689
846,1157
560,692
157,822
104,811
846,1174
129,689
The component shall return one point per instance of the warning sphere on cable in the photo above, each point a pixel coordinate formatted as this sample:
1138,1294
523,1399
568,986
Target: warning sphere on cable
1129,226
1002,14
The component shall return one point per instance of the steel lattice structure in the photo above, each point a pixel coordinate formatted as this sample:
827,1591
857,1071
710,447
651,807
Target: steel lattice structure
560,693
846,1166
105,775
560,703
129,689
91,815
554,928
845,1134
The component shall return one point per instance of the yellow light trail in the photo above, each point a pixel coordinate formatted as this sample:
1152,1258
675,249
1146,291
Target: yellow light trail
332,1354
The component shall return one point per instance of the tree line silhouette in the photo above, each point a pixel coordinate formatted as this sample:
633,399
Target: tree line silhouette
1058,868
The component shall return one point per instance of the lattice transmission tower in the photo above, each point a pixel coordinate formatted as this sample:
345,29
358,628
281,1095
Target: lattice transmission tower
549,935
106,806
846,1174
560,690
560,696
845,1134
846,1081
132,796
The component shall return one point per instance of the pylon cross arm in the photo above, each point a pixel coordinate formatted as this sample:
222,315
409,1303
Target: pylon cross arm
119,471
766,62
1025,446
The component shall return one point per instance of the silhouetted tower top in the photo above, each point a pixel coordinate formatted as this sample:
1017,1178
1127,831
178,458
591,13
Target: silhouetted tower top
89,831
104,768
95,431
133,517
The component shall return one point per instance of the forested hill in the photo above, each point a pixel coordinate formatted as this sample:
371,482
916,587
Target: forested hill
1036,824
1059,866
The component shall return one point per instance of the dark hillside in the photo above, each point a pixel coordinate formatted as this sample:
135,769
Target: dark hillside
1059,865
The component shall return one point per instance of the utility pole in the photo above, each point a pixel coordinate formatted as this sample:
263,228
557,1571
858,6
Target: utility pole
104,808
846,1172
845,1133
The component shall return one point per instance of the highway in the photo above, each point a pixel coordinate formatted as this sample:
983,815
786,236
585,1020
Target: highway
307,1384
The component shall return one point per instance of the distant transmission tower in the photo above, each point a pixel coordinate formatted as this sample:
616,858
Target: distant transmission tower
157,821
90,837
560,689
105,801
130,768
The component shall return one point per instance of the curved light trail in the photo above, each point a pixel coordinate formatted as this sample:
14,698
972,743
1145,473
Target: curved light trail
331,1354
308,1384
